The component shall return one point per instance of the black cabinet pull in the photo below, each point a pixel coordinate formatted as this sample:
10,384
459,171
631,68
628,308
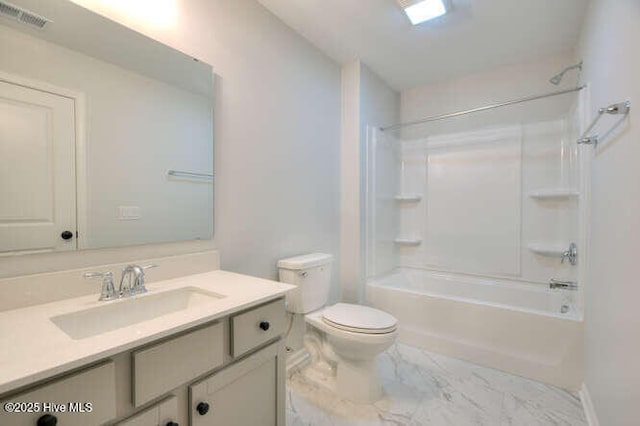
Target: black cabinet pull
202,408
265,325
172,424
47,420
67,235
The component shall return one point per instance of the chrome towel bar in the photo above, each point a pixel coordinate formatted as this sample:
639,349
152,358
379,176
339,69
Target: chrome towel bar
191,175
621,108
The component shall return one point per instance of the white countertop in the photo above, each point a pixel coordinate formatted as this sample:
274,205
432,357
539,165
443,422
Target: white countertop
33,348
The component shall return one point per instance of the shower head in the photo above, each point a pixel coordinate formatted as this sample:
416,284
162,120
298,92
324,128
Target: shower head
556,79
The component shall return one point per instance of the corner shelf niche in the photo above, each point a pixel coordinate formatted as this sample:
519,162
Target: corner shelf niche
409,242
554,194
407,198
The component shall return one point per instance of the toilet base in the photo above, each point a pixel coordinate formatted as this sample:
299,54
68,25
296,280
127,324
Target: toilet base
352,354
358,381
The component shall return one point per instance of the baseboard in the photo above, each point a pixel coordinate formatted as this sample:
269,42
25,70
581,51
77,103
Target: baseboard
587,406
297,360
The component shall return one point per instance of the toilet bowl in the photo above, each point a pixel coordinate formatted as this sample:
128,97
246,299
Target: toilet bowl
352,336
357,335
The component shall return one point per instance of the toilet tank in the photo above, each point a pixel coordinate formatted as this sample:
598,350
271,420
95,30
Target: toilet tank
311,274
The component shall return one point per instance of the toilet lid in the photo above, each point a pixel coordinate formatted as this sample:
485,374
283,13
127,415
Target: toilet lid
359,319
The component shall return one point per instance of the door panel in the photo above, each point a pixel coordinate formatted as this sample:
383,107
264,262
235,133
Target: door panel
37,180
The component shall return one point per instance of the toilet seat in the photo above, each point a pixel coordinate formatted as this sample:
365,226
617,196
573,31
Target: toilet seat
359,319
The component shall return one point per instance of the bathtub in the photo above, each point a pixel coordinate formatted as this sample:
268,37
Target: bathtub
522,328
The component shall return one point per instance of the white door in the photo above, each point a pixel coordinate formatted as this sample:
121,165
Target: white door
37,171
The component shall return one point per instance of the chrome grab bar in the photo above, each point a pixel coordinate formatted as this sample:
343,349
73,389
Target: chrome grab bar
565,285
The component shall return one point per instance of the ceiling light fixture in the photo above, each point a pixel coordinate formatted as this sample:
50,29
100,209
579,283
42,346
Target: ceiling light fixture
423,10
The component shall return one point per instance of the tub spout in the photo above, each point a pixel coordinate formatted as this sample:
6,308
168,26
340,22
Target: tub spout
566,285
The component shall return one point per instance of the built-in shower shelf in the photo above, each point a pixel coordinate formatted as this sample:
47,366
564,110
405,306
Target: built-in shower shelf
408,198
407,241
554,194
548,249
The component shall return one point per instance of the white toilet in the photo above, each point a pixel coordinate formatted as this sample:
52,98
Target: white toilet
356,334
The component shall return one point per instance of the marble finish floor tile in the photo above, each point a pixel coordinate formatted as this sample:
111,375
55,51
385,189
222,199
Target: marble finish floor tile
427,389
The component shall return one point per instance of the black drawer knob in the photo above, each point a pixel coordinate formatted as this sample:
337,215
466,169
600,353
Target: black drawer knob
202,408
47,420
265,325
172,424
67,235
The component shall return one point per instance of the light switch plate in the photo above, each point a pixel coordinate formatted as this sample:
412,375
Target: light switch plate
129,213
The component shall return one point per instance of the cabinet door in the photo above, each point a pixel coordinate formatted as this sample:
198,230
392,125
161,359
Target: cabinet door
249,392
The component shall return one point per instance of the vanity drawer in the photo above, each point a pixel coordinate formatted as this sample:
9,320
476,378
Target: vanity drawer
95,386
164,366
257,326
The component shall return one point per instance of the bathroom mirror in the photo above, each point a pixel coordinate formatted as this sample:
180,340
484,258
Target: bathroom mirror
106,136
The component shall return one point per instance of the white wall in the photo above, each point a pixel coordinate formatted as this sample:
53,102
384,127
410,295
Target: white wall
276,130
367,101
609,48
350,230
480,89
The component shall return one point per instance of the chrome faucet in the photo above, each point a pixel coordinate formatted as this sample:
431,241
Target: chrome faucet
132,280
108,291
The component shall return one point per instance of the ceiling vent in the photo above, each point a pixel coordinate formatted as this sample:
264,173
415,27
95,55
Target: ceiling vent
10,11
406,3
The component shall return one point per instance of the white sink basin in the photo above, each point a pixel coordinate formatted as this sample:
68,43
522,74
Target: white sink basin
126,312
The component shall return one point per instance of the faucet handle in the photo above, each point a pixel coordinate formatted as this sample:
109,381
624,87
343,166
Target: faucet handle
96,274
108,291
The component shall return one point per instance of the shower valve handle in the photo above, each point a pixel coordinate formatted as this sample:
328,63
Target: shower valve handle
571,254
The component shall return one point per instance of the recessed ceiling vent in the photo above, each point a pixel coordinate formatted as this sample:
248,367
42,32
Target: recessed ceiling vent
16,13
406,3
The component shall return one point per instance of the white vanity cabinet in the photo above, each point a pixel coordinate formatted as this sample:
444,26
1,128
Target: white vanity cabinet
234,364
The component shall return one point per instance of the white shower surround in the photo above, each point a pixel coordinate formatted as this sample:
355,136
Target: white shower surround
499,313
507,325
